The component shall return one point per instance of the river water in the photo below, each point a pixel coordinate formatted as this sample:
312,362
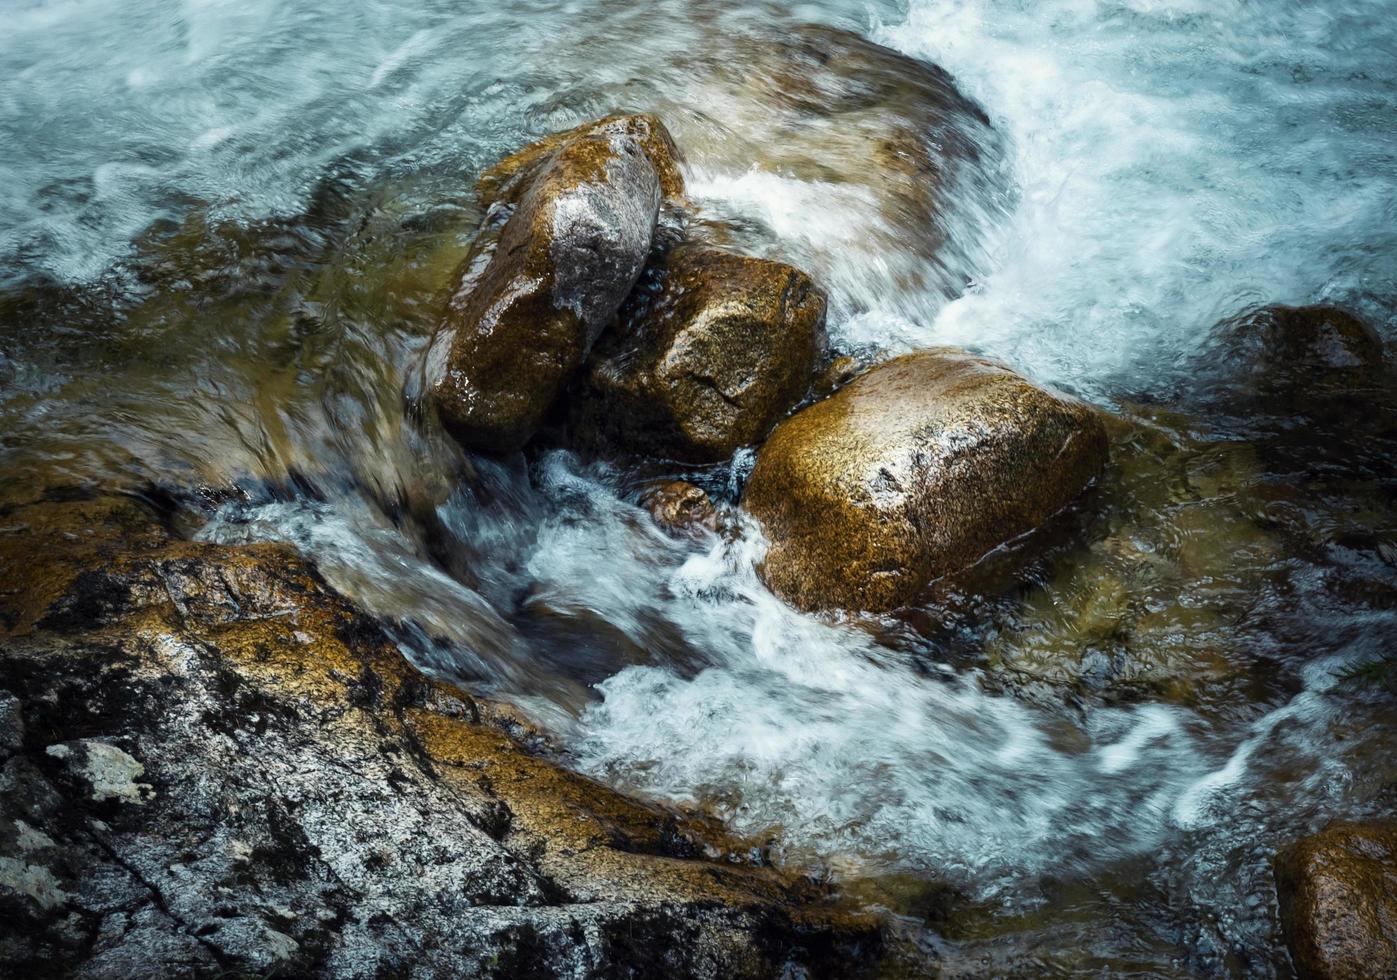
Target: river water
223,226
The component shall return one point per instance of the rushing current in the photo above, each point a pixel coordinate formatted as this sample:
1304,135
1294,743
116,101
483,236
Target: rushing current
200,200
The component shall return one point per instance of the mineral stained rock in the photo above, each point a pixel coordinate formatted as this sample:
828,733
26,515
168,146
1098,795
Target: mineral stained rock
212,765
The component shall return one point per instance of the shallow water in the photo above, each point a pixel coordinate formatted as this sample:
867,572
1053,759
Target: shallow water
223,227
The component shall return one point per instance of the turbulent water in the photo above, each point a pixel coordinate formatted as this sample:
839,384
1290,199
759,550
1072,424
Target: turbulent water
200,200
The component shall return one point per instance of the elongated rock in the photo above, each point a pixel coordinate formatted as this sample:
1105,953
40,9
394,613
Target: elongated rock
566,259
914,471
708,358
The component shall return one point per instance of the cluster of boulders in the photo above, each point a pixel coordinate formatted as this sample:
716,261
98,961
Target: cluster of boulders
701,351
591,305
585,300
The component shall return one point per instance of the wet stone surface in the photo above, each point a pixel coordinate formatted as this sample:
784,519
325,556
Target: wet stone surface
213,765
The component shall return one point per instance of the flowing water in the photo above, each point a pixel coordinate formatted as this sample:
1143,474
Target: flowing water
224,228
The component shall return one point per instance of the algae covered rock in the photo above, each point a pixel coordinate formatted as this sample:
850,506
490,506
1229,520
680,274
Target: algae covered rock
213,765
1338,898
914,471
712,350
516,330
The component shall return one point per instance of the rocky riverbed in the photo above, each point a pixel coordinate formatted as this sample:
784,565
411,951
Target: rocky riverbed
676,526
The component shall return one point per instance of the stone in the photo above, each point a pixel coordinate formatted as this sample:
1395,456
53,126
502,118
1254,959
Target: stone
506,180
713,350
1338,901
521,323
914,472
836,374
1292,352
680,507
887,143
275,789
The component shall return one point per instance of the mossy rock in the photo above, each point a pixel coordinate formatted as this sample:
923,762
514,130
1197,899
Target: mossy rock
507,180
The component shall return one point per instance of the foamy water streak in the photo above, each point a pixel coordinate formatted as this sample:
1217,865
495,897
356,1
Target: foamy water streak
1177,162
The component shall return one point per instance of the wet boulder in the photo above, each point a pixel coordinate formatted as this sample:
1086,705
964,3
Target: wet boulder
520,324
711,352
1338,899
912,472
506,180
211,764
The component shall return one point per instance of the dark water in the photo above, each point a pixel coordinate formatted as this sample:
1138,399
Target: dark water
224,229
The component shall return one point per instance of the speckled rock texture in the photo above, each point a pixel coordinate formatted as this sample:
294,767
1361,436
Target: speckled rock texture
213,766
1338,897
506,180
531,302
712,350
912,472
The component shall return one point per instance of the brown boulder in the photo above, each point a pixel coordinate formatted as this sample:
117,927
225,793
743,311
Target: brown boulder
1338,898
506,180
515,332
707,360
680,507
914,471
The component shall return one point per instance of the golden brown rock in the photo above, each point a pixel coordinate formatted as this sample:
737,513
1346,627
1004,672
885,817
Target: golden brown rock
712,351
836,374
507,179
914,471
1338,898
516,332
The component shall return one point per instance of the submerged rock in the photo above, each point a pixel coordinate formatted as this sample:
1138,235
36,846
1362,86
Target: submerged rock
1338,899
912,472
1293,354
213,766
816,121
711,352
1155,592
567,257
